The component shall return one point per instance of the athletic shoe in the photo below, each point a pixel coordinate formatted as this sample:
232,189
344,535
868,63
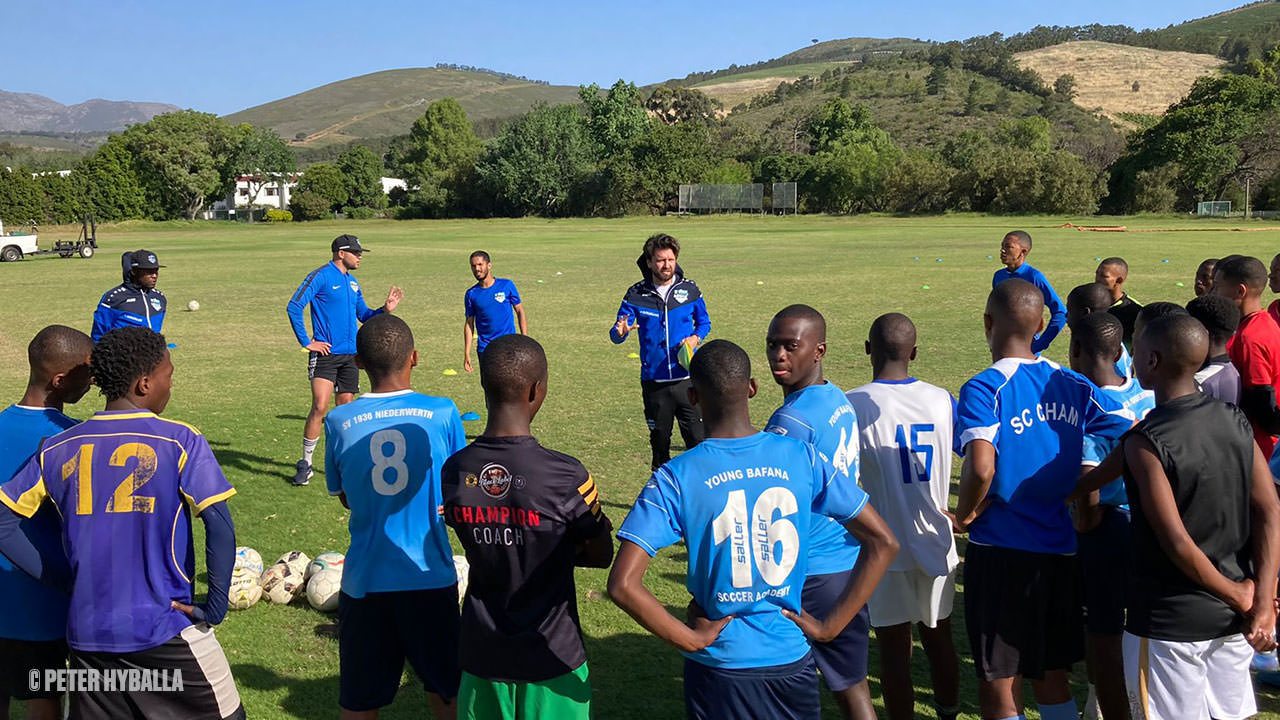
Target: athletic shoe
304,473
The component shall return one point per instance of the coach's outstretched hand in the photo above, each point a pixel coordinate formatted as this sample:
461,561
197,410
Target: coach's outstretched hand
394,296
622,329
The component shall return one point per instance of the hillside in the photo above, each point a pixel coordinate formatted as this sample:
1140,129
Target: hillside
26,112
1105,74
386,103
1240,21
1236,35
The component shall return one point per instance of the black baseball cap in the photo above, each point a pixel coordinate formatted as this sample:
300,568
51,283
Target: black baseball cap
350,243
142,260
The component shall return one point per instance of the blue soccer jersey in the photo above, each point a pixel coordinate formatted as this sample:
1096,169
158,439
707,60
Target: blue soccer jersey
1036,414
743,506
30,610
822,416
493,308
1057,308
1133,398
1124,366
385,452
126,484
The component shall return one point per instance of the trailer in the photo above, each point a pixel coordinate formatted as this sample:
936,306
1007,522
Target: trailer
17,245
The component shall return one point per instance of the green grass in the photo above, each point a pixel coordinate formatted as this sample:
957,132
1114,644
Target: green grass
813,69
240,375
1241,20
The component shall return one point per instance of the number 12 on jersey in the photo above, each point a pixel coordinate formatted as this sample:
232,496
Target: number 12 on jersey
762,532
913,466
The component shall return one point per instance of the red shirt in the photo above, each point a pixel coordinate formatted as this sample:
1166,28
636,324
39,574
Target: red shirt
1255,351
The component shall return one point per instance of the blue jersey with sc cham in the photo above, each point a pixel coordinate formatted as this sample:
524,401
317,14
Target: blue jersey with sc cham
337,309
821,416
492,307
1036,414
743,508
662,324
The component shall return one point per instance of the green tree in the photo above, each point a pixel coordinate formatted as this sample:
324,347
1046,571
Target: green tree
108,185
61,202
660,161
437,158
936,82
362,177
835,122
728,172
183,159
262,158
973,98
616,118
852,175
539,162
321,190
672,105
1065,87
921,183
21,198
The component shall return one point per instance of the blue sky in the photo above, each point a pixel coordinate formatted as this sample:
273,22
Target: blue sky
223,57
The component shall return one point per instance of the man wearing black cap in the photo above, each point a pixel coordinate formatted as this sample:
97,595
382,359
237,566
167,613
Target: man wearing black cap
134,302
337,309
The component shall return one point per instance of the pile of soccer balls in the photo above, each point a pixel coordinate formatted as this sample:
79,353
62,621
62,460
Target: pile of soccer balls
290,576
295,574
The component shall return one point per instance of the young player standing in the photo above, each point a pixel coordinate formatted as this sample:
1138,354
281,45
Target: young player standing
135,302
1102,519
1204,276
1206,541
399,601
337,307
1255,348
1114,273
816,412
487,306
126,483
905,428
1095,298
1022,424
1014,249
33,616
525,516
742,501
1220,317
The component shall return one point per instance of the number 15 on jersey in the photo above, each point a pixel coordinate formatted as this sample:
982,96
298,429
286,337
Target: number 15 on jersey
916,456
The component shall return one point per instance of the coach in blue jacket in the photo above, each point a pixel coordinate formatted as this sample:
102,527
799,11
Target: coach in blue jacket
337,309
667,308
135,302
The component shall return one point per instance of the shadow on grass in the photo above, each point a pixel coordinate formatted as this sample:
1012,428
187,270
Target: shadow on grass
653,685
248,462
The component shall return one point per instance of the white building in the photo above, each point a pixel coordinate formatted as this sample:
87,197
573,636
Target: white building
255,191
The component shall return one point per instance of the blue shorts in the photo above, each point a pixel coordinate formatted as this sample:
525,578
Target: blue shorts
377,633
843,661
780,692
1104,567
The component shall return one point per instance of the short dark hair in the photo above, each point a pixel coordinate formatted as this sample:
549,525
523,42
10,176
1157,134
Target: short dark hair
1022,236
1098,335
57,348
124,355
509,365
1115,262
1211,262
660,241
1018,301
480,254
1093,296
1242,269
1153,311
1180,339
804,312
720,369
1219,316
384,344
893,334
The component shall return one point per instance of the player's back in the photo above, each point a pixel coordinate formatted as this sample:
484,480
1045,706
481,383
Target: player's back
385,451
743,507
905,440
126,484
1035,413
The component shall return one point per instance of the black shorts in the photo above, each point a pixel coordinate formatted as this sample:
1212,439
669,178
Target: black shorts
843,660
781,692
19,657
338,369
1104,568
1022,611
378,632
208,690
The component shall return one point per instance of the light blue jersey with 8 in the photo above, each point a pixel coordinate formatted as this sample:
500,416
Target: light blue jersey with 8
1036,414
385,451
1124,366
743,507
1133,398
821,416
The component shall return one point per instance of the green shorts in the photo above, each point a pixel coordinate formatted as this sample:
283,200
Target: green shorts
567,697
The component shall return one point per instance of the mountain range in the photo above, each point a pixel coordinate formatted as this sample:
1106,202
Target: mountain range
29,113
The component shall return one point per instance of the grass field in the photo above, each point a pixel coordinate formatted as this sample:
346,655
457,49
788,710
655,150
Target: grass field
240,375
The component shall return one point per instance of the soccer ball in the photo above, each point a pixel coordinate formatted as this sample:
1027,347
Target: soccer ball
463,568
193,306
245,589
281,583
249,559
297,560
322,589
325,561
